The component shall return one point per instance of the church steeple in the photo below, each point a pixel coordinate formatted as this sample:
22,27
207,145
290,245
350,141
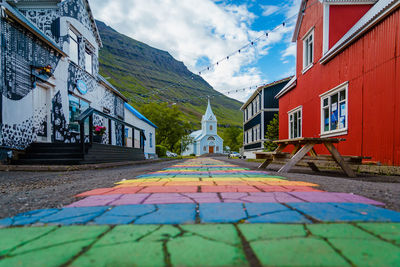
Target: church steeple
209,115
209,121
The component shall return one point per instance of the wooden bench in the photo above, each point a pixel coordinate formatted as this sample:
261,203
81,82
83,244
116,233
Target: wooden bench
304,146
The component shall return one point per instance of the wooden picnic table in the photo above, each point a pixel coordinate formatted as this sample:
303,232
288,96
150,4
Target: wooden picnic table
304,145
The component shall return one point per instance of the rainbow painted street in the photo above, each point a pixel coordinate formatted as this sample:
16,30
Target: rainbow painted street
205,212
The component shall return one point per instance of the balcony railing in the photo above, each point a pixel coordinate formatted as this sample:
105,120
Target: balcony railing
88,114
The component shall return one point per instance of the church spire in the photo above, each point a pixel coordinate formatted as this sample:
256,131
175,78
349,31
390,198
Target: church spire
209,115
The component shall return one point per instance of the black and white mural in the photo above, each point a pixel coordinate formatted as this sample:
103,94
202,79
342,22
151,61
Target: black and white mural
23,57
118,134
17,135
77,9
119,107
76,73
22,52
40,121
100,121
47,20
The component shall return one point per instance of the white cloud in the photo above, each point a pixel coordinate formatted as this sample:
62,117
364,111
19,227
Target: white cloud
191,30
289,51
269,10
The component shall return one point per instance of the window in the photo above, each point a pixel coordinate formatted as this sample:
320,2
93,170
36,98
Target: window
88,61
217,149
308,50
76,107
334,110
204,148
295,123
211,138
151,139
250,135
73,46
257,132
211,127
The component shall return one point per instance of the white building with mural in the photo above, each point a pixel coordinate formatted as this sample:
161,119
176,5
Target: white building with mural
49,81
206,140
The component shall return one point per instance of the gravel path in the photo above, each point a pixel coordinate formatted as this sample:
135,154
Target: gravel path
382,188
26,191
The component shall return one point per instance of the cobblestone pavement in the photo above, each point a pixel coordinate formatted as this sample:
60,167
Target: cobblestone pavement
205,212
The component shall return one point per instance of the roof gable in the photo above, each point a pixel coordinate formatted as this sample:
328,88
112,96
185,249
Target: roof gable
304,6
267,86
378,12
80,10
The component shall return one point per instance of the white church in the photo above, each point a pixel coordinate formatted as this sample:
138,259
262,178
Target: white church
205,140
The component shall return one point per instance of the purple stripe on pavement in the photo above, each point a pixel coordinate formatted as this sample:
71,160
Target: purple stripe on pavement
258,197
334,197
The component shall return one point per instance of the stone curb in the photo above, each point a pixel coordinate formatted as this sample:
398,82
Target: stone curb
62,168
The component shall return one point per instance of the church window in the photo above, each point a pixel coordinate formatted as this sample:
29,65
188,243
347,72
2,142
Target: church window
211,127
211,138
217,149
205,148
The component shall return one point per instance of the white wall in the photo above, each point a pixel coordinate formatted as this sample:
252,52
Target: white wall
130,118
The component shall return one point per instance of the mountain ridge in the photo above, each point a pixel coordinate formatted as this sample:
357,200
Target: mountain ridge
147,74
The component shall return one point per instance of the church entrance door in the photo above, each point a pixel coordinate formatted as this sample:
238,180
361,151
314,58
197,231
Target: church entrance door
210,149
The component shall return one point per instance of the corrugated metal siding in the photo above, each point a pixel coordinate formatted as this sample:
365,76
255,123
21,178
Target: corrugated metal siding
371,66
269,95
253,122
253,146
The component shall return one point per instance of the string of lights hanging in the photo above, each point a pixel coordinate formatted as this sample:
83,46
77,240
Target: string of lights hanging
253,42
266,34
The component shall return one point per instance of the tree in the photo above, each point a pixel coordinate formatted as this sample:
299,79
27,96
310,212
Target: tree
272,134
171,128
233,137
184,143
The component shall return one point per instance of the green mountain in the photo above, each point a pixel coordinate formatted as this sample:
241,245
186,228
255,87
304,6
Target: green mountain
143,73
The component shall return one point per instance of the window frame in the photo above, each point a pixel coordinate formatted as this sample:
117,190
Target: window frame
72,123
308,62
327,95
71,34
89,53
291,113
151,140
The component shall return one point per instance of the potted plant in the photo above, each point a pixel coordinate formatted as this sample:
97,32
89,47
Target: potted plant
98,131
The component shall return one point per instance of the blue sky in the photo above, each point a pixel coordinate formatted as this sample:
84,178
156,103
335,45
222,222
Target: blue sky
201,32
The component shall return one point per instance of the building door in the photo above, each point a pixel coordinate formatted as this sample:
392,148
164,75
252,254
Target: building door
41,112
210,149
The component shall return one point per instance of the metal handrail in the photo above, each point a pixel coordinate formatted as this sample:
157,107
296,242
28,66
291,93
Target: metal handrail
88,112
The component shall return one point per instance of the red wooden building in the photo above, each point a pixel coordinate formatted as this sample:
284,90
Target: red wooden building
347,81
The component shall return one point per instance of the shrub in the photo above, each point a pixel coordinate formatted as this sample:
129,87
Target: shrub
272,134
161,151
